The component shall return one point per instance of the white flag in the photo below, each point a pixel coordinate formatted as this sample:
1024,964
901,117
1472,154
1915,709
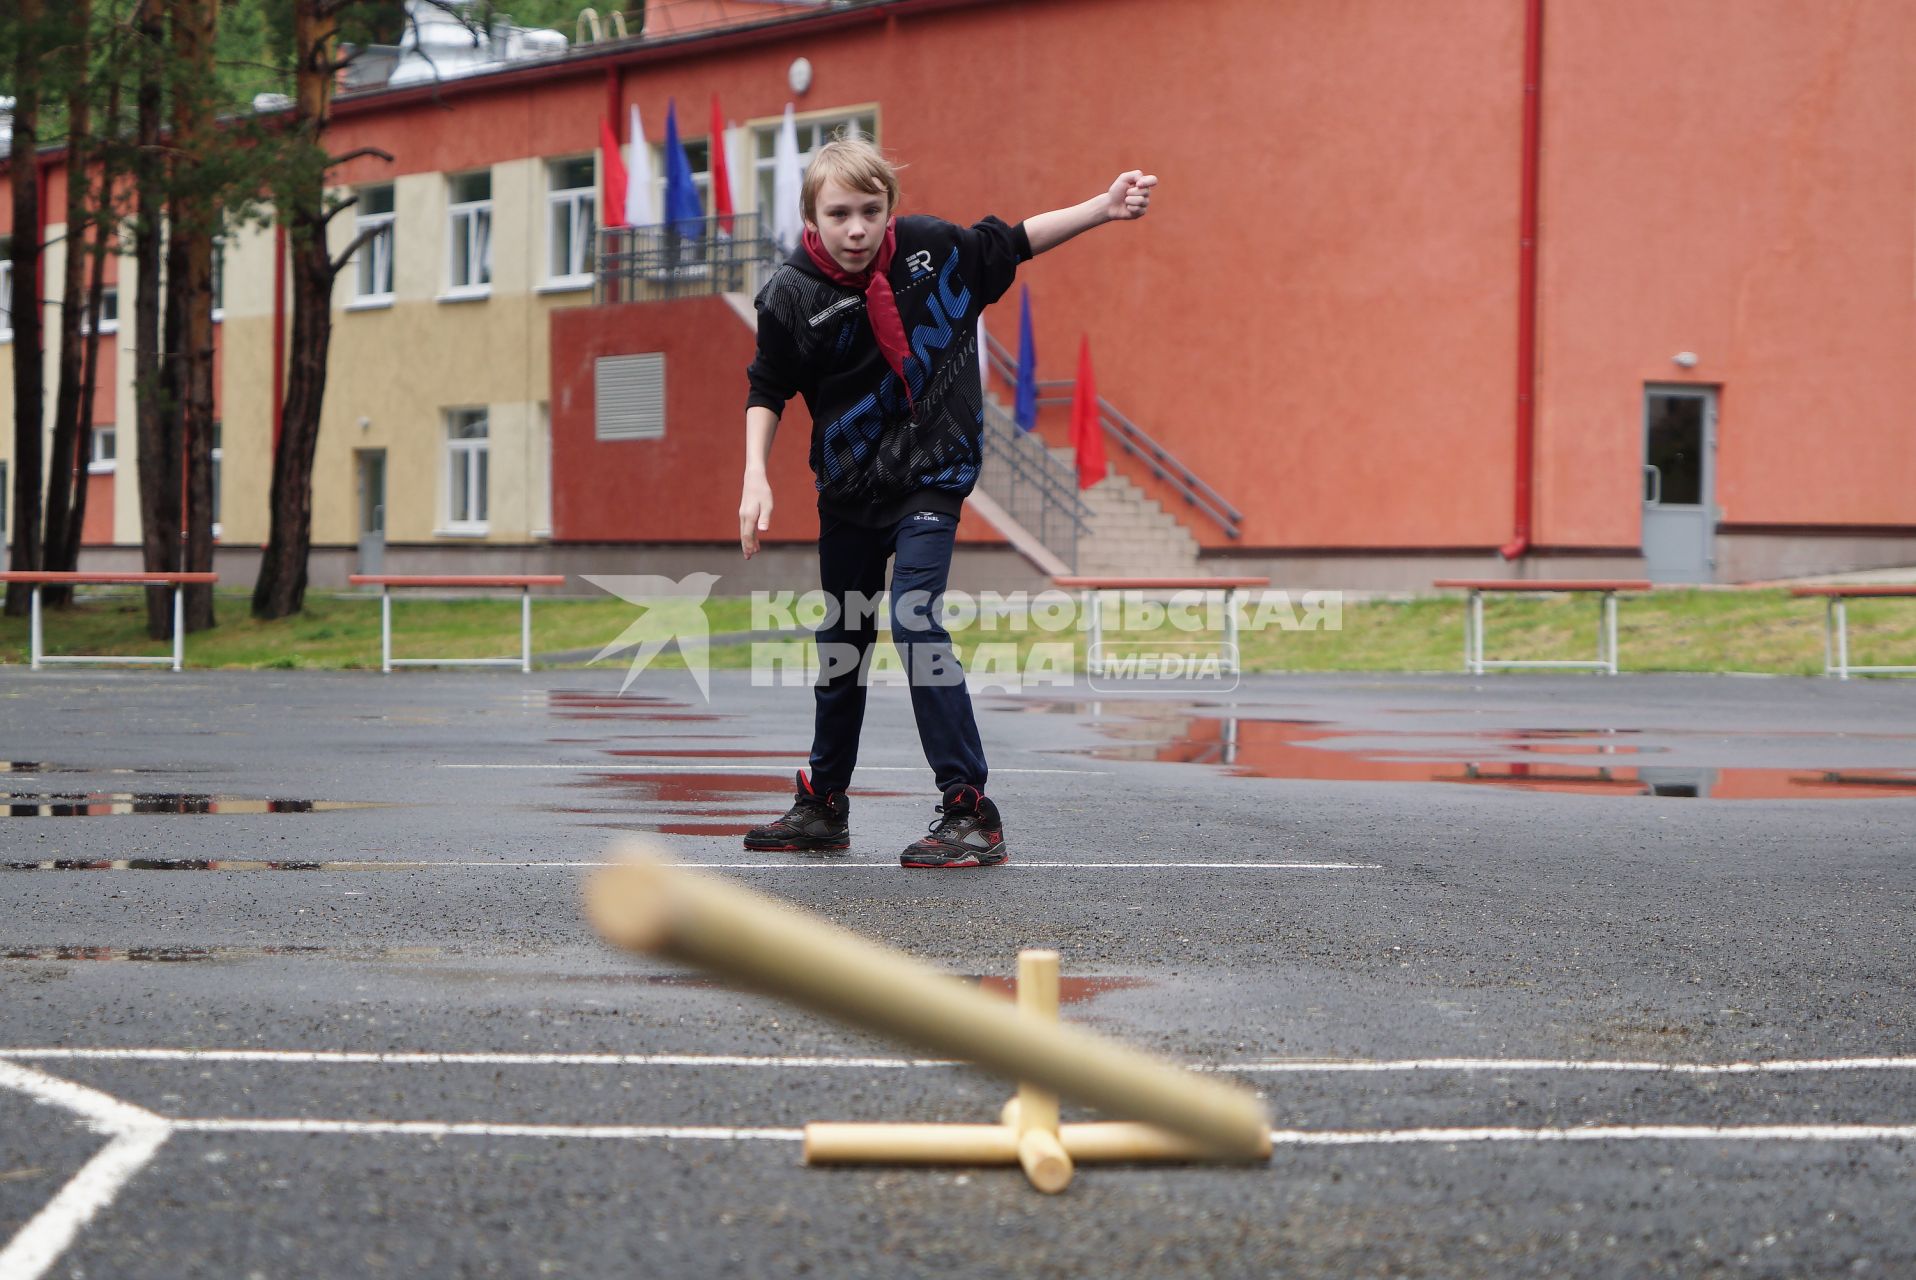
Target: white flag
788,225
638,177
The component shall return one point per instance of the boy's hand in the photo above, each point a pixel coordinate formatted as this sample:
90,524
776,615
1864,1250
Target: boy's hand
1130,195
754,514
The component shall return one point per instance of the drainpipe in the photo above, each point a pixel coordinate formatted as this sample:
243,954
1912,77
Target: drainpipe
279,330
1527,279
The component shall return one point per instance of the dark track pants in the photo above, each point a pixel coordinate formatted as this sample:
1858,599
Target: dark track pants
851,570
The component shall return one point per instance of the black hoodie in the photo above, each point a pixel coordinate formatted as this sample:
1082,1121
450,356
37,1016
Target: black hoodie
876,457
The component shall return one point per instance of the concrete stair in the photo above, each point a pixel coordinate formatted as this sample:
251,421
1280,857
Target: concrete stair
1129,534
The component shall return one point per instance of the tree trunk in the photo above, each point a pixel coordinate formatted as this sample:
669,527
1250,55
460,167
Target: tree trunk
105,235
194,212
29,389
67,477
154,438
281,588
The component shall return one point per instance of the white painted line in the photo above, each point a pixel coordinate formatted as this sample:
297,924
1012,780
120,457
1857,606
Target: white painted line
103,1112
436,1129
643,766
791,864
321,1057
1781,1066
1279,1137
324,1057
39,1244
1602,1133
137,1133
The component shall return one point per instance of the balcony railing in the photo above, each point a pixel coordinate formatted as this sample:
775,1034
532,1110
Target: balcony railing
690,259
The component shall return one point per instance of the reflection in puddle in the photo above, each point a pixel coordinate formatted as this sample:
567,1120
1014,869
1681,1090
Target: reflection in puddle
164,955
60,804
36,767
1315,750
679,804
578,704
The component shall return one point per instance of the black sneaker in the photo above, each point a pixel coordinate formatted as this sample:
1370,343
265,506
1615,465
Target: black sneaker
813,824
968,833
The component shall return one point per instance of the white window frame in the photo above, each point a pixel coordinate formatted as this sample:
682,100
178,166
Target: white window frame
6,290
378,251
581,206
108,324
469,457
815,129
219,286
218,455
469,222
96,464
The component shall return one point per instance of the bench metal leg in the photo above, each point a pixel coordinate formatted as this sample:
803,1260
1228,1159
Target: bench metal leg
179,625
1842,637
1474,635
1230,628
33,648
525,629
1094,608
386,630
1607,646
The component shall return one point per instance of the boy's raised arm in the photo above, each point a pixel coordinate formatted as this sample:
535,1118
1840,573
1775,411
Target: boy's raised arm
1126,201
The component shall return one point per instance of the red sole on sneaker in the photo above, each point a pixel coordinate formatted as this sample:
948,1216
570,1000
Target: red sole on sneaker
954,866
798,848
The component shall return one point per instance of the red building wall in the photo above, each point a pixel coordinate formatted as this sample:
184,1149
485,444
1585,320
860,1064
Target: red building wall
683,487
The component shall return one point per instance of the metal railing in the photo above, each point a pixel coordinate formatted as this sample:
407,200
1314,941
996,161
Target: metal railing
1134,441
1035,489
689,259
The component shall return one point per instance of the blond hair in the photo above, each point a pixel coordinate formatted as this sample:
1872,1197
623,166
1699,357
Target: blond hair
856,165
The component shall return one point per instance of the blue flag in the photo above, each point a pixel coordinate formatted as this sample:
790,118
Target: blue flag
683,209
1026,410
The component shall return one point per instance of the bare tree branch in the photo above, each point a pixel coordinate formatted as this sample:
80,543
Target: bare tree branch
358,153
345,258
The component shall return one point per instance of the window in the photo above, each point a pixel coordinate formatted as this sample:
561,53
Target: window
374,274
812,134
466,432
219,281
106,450
217,455
571,222
109,310
6,289
469,234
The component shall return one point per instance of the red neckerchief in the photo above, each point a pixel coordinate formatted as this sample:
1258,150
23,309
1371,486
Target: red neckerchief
882,307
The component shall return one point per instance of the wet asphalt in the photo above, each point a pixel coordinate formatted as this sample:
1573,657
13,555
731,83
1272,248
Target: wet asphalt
287,862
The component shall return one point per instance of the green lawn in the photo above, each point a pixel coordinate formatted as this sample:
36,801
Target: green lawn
1703,630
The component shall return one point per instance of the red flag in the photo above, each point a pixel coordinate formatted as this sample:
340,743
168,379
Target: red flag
612,172
721,176
1087,433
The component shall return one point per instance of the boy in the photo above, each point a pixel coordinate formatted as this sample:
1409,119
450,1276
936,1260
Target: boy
874,320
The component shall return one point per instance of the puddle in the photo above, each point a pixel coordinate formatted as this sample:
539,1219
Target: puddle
163,955
98,804
1311,750
36,767
575,704
678,804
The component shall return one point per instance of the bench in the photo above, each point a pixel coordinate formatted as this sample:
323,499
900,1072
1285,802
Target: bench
36,650
1606,661
387,581
1836,626
1092,591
